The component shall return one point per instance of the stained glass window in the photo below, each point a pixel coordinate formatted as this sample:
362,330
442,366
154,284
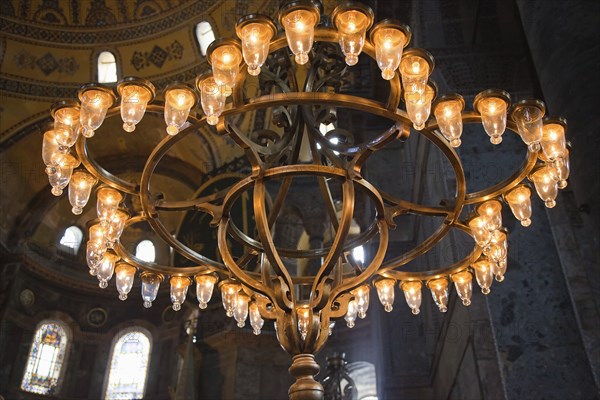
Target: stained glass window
128,366
45,359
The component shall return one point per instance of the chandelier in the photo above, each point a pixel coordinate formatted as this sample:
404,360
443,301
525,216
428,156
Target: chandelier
259,284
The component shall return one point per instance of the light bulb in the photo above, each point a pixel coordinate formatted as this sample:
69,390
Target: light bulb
499,269
107,203
418,107
125,273
51,154
304,314
225,59
480,231
561,170
229,293
553,141
361,294
95,102
491,212
97,233
528,115
415,68
62,173
213,101
463,282
94,251
412,294
66,124
351,314
299,25
240,309
255,32
389,41
492,105
135,96
385,292
256,321
498,247
519,200
179,288
484,273
439,292
204,288
150,284
106,268
447,111
80,188
352,22
546,186
115,226
179,99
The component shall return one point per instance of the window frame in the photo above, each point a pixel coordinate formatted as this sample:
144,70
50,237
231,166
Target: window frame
120,334
65,356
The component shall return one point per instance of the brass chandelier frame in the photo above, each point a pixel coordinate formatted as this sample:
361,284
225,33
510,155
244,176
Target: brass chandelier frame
273,289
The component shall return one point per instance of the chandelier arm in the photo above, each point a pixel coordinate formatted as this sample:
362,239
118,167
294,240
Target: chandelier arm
348,198
184,205
249,147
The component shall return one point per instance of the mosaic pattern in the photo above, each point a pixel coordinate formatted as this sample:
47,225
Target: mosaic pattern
46,63
129,367
45,360
157,56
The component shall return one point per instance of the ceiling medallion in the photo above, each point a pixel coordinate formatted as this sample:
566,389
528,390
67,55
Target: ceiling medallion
260,283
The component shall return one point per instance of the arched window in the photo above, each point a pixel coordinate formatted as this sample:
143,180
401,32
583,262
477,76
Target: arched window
358,253
128,366
45,361
365,379
145,251
107,67
72,238
204,35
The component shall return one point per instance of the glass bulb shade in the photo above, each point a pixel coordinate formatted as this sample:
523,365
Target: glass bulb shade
61,176
178,102
303,313
389,45
439,292
134,99
125,273
529,124
546,185
561,170
94,105
80,188
299,26
418,107
66,126
463,282
519,200
491,212
498,247
493,112
480,231
412,294
97,233
212,99
106,268
225,60
94,252
240,309
361,295
385,292
256,321
499,269
351,314
179,288
115,227
448,116
50,149
352,27
107,203
553,141
256,38
150,285
205,285
414,71
484,273
229,293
